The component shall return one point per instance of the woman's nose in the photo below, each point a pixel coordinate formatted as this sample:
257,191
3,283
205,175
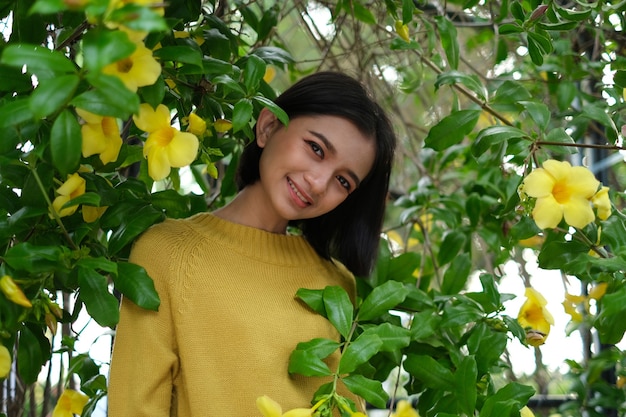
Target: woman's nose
318,180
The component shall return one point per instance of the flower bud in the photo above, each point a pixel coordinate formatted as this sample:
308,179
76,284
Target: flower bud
13,292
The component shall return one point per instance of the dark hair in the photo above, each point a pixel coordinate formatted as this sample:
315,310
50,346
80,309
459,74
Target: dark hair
351,232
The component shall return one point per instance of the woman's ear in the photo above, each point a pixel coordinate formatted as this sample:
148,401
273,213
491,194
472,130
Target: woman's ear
266,123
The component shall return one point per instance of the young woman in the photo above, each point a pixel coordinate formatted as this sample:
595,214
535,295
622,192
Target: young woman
229,319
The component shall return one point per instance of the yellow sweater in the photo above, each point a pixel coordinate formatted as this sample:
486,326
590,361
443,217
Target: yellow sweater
227,323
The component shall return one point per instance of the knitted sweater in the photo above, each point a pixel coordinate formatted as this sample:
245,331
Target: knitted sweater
227,323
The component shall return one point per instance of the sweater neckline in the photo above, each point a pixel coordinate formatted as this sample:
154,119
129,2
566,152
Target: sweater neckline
256,243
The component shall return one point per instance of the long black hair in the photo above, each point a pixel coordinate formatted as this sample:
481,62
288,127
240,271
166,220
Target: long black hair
351,232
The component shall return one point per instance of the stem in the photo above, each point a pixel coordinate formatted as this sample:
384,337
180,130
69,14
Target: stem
581,145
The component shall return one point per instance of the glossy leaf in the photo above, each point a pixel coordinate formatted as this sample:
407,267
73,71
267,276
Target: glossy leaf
103,47
452,244
305,362
452,129
358,352
33,258
319,347
132,227
339,309
100,303
381,299
314,299
370,390
430,372
465,378
38,60
66,143
393,337
455,277
242,114
134,282
253,72
447,32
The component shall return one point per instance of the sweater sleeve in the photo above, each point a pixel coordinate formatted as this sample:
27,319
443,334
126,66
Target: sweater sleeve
144,363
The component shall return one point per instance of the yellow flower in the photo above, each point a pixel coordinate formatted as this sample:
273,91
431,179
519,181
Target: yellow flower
222,125
570,305
270,73
13,292
405,409
71,402
137,70
535,318
561,191
602,203
532,242
402,30
166,146
197,125
101,135
91,213
526,412
270,408
5,361
598,290
72,188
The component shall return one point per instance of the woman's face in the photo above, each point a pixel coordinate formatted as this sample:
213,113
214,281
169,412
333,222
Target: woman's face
310,167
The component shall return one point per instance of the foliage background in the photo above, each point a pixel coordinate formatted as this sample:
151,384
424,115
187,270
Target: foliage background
480,93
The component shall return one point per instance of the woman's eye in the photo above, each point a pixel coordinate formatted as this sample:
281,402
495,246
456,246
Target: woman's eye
316,148
344,183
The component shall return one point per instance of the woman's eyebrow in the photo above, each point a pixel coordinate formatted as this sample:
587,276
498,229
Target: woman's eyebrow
331,148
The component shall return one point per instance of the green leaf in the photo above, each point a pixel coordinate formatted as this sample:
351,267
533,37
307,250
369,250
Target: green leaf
610,322
452,244
320,347
559,135
512,395
104,47
451,129
470,81
455,277
132,227
509,28
492,135
183,54
139,18
314,299
38,60
429,371
253,72
30,357
15,112
242,114
100,263
598,113
51,95
393,337
134,282
66,143
539,112
48,7
465,378
339,309
362,13
100,303
447,32
381,299
305,362
108,98
278,112
370,390
34,258
554,255
358,352
407,11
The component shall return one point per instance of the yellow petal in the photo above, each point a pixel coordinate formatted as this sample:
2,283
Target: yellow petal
547,213
158,163
559,170
526,412
582,182
270,73
150,120
268,407
73,186
538,183
182,149
578,212
598,291
602,203
94,141
298,412
91,213
13,292
71,402
222,125
137,70
5,361
88,116
197,125
404,409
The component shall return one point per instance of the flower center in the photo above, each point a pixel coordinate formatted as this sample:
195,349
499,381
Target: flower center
164,136
125,65
560,192
109,127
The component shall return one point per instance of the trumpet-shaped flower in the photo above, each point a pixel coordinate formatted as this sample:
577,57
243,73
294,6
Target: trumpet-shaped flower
5,361
101,136
222,125
526,412
197,125
13,292
561,191
598,290
72,188
91,213
137,70
405,409
71,402
166,146
270,408
602,203
572,304
535,318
